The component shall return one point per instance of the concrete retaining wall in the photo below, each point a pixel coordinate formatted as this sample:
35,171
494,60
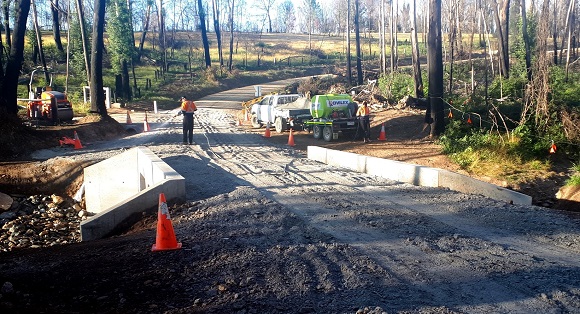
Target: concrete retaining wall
415,174
120,188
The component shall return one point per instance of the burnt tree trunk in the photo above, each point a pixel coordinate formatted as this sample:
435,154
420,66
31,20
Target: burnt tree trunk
435,62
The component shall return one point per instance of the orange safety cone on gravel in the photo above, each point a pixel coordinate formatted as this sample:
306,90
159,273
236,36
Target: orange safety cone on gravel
166,239
267,133
383,135
291,138
129,118
78,144
146,127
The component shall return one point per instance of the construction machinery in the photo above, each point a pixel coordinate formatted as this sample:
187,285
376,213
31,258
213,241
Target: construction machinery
44,104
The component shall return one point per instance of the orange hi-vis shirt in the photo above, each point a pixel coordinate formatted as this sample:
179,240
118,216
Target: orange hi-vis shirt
188,106
363,111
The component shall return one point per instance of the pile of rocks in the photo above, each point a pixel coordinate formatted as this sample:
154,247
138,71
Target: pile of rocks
39,221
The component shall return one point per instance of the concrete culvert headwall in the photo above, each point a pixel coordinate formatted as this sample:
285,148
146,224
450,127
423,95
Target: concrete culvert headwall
120,188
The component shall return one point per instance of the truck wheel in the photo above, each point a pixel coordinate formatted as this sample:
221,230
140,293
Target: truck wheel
280,124
317,132
327,133
255,123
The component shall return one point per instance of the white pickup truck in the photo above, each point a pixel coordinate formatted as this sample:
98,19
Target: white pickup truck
282,111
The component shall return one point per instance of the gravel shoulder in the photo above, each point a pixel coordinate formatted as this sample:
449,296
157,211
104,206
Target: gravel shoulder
265,230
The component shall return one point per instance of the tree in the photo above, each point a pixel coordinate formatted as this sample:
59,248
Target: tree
97,47
286,18
526,38
9,77
145,28
39,42
216,26
6,11
120,32
382,37
84,38
204,38
267,6
162,31
54,9
359,71
231,22
435,114
502,14
416,62
348,65
394,44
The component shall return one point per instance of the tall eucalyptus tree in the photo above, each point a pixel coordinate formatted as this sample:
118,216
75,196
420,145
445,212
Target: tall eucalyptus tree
435,113
97,48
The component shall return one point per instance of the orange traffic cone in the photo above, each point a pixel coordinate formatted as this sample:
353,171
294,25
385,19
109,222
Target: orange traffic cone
78,144
553,149
469,120
383,135
166,239
239,122
129,118
267,133
291,138
146,127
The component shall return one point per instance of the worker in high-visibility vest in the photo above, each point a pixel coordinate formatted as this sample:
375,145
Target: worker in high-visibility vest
363,113
187,109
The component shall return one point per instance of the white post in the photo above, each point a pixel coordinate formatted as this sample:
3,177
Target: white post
155,106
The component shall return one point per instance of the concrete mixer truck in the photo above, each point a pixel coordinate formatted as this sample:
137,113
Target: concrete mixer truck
332,114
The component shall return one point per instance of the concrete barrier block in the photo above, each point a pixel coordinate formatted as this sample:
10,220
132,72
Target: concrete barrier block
402,172
347,160
111,181
120,188
316,153
465,184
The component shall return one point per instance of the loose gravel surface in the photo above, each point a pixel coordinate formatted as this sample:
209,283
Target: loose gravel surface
266,230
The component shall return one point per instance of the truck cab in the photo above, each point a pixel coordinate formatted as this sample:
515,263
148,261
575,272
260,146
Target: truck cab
263,112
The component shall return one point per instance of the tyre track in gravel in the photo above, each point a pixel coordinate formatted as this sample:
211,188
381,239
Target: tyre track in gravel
388,222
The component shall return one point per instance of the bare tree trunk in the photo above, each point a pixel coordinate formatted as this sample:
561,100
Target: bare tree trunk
231,36
84,38
393,44
56,25
6,7
383,37
204,39
348,65
216,26
145,29
502,20
359,71
97,47
162,31
570,27
526,38
435,62
39,42
9,81
416,62
555,33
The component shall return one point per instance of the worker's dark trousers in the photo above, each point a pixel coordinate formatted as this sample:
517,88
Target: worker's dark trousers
365,125
188,128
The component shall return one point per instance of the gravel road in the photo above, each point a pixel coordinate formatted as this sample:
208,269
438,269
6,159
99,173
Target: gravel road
266,230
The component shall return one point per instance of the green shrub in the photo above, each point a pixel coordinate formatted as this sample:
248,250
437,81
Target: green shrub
396,86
